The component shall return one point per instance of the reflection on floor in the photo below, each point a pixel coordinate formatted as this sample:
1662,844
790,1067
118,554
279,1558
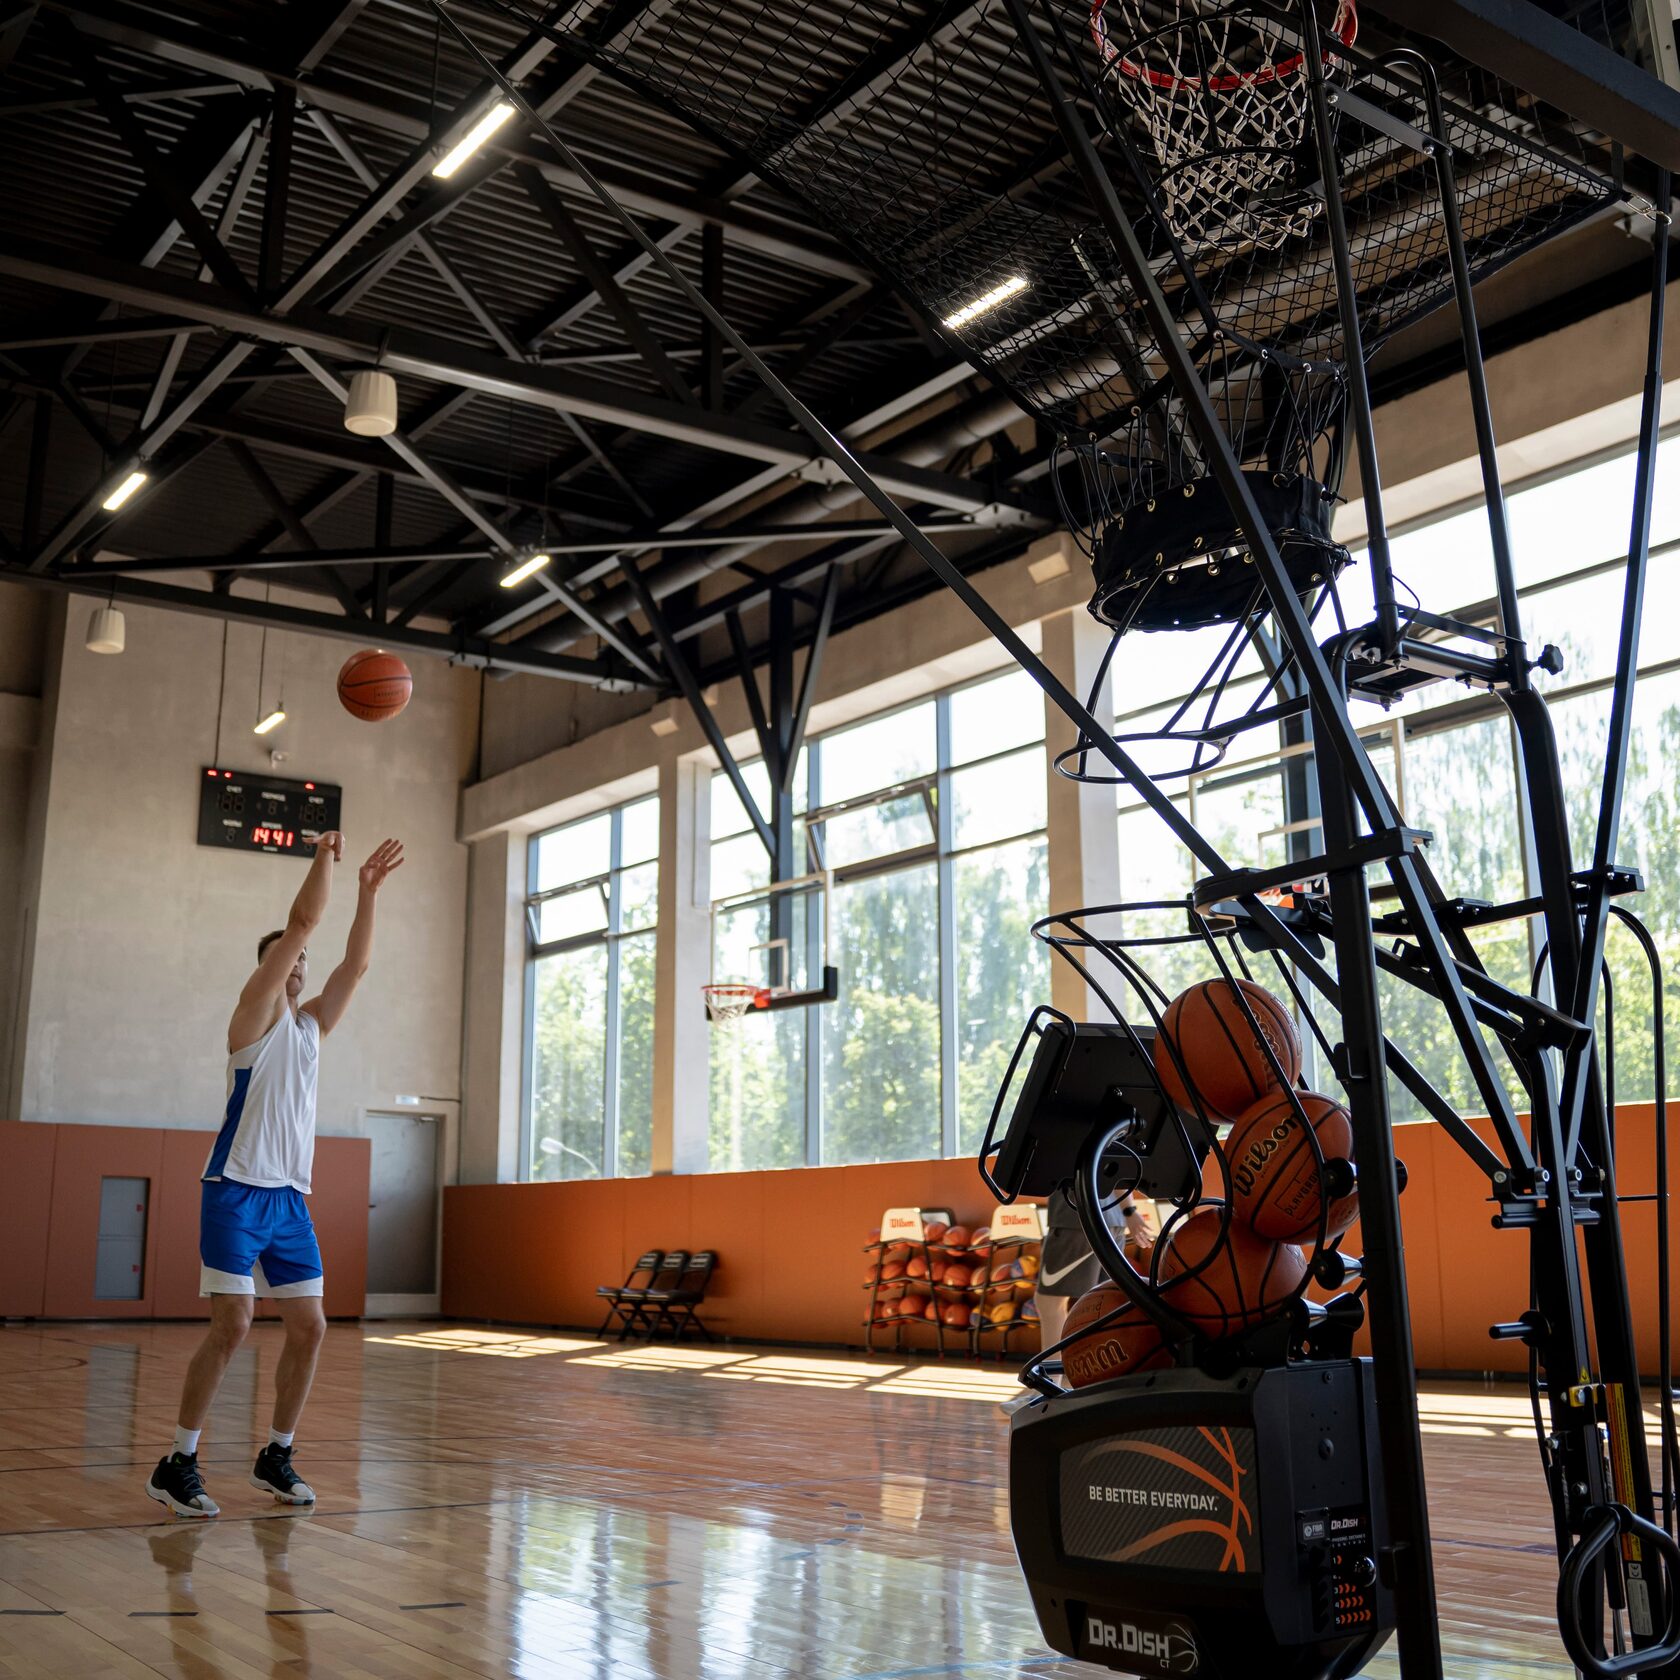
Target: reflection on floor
551,1507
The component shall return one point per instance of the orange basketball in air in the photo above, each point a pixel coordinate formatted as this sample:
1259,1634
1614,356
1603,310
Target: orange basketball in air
1245,1280
1275,1179
1131,1343
1227,1063
374,686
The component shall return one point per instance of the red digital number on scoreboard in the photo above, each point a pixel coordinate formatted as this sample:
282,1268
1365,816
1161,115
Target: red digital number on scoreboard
284,838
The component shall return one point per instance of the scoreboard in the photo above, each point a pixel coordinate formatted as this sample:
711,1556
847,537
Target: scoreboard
252,811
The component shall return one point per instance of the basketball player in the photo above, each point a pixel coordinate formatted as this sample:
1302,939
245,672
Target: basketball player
255,1233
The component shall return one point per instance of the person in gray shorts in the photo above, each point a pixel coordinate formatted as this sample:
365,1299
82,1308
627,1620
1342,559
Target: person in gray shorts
1067,1268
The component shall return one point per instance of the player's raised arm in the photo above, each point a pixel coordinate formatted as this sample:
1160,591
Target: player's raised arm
328,1009
264,992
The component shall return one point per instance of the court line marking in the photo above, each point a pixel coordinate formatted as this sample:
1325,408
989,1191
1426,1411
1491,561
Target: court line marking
443,1604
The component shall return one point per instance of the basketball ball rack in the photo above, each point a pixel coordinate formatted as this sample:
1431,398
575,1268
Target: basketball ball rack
1175,233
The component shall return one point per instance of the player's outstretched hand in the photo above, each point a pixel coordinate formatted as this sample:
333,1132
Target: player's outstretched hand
331,841
387,855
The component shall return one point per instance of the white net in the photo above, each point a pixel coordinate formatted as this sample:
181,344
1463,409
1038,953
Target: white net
1222,94
726,1003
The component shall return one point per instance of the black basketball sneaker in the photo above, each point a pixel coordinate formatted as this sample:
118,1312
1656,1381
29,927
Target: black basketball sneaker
177,1484
273,1473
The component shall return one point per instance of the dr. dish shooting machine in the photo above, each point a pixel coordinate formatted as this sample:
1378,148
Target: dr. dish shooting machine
1210,1507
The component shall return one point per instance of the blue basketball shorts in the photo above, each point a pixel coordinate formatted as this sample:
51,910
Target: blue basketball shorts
257,1241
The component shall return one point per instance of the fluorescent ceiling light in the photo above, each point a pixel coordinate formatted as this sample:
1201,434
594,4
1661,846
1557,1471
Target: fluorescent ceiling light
525,569
988,300
272,721
473,139
123,491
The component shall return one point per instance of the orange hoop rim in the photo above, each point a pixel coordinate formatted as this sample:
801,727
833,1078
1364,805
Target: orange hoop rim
1345,27
728,1000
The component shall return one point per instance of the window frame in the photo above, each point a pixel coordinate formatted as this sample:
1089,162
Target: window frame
612,935
934,787
1454,710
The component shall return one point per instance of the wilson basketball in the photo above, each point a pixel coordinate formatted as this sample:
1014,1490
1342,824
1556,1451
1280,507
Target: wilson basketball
957,1314
931,1312
893,1269
1245,1280
1275,1178
1003,1313
934,1230
956,1277
918,1266
957,1237
1131,1343
374,686
897,1252
1227,1063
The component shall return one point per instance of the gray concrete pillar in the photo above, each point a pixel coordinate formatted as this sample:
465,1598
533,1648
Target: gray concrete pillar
681,1037
493,1032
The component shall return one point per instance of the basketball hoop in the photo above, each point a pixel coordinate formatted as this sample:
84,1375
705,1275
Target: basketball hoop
1219,90
728,1001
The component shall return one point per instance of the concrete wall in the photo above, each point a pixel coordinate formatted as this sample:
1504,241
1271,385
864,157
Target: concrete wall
144,938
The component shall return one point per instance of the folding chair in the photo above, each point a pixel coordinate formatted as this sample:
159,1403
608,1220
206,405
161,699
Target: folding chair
674,1308
631,1305
641,1278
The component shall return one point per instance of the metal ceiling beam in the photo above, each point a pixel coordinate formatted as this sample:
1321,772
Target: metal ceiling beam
14,26
404,449
457,649
295,527
210,146
233,207
435,591
1525,45
277,190
599,276
90,511
308,555
128,25
52,335
175,196
429,356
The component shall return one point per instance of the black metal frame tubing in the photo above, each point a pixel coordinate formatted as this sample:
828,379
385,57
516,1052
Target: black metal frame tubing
1351,793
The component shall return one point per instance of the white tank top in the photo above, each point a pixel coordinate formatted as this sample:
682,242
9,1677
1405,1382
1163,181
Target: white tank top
268,1130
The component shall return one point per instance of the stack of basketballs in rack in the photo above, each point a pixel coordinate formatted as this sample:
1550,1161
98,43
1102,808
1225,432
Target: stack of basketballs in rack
953,1282
1227,1054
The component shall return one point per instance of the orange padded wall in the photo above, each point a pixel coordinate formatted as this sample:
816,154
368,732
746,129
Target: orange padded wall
49,1218
792,1267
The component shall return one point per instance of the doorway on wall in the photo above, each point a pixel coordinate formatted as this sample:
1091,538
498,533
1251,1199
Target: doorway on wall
403,1206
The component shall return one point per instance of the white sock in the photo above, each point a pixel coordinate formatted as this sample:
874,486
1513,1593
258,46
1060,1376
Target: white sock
276,1439
186,1441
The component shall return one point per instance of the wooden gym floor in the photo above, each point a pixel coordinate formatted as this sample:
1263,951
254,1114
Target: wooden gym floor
501,1503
